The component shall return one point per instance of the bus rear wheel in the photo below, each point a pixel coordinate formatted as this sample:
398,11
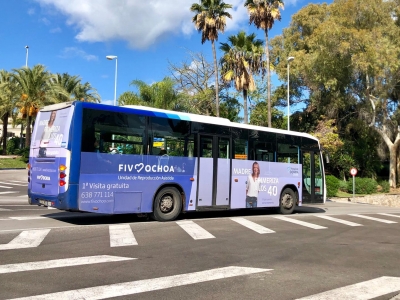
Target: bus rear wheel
167,205
287,202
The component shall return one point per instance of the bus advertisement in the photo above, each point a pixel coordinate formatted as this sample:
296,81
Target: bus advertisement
118,160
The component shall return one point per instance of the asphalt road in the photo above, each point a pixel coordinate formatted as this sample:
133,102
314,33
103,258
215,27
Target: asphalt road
225,255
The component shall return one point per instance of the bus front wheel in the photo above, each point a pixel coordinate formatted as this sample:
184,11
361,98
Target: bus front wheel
287,202
167,204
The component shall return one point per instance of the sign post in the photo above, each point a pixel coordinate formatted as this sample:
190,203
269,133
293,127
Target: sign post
353,172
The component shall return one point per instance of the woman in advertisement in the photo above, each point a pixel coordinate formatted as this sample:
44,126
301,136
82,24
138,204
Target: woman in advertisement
46,135
253,186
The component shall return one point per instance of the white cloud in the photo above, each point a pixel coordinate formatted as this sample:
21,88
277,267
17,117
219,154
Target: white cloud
71,52
140,23
107,102
31,11
55,30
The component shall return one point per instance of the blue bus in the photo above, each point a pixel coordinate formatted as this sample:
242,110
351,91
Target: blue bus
133,159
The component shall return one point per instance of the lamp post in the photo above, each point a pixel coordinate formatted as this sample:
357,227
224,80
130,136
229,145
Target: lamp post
289,59
111,57
26,59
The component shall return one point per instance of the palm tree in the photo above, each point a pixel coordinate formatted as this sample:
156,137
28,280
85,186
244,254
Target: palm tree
263,14
69,83
8,96
242,58
77,90
38,88
210,18
85,92
159,94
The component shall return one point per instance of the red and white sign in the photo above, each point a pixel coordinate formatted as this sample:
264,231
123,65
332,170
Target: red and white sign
353,171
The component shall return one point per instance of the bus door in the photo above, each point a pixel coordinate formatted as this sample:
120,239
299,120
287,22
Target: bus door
214,171
313,185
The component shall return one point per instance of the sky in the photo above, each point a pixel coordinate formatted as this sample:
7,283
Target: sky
75,36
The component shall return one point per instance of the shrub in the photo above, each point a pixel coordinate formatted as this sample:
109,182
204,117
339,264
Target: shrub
332,185
343,186
24,152
362,185
385,187
12,145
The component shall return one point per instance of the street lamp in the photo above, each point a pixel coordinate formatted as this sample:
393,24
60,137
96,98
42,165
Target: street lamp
26,60
111,57
289,59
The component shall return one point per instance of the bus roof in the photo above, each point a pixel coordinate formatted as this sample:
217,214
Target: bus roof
181,116
216,121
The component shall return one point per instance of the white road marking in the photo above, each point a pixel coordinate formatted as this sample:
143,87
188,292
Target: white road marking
253,226
60,263
361,291
121,235
9,183
4,209
339,220
28,218
26,239
194,230
23,196
372,218
19,181
389,215
2,193
302,223
5,187
148,285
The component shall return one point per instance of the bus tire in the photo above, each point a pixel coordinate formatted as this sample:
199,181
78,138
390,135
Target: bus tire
167,205
287,202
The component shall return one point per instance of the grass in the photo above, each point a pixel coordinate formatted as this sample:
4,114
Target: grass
11,162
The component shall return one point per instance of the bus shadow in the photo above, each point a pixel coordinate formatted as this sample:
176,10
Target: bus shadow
84,218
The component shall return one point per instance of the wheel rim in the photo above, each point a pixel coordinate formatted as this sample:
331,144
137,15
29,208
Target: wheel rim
287,201
166,203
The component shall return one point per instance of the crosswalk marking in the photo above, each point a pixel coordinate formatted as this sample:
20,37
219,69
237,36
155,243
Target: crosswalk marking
194,230
26,239
59,263
389,215
302,223
339,220
19,181
9,183
361,291
27,218
1,193
372,218
4,209
148,285
253,226
121,235
5,187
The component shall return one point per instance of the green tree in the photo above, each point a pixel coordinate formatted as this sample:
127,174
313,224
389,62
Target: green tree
160,95
263,14
242,58
210,18
347,63
38,88
85,92
8,97
77,90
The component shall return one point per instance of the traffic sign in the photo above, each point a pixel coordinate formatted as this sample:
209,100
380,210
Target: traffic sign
353,171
